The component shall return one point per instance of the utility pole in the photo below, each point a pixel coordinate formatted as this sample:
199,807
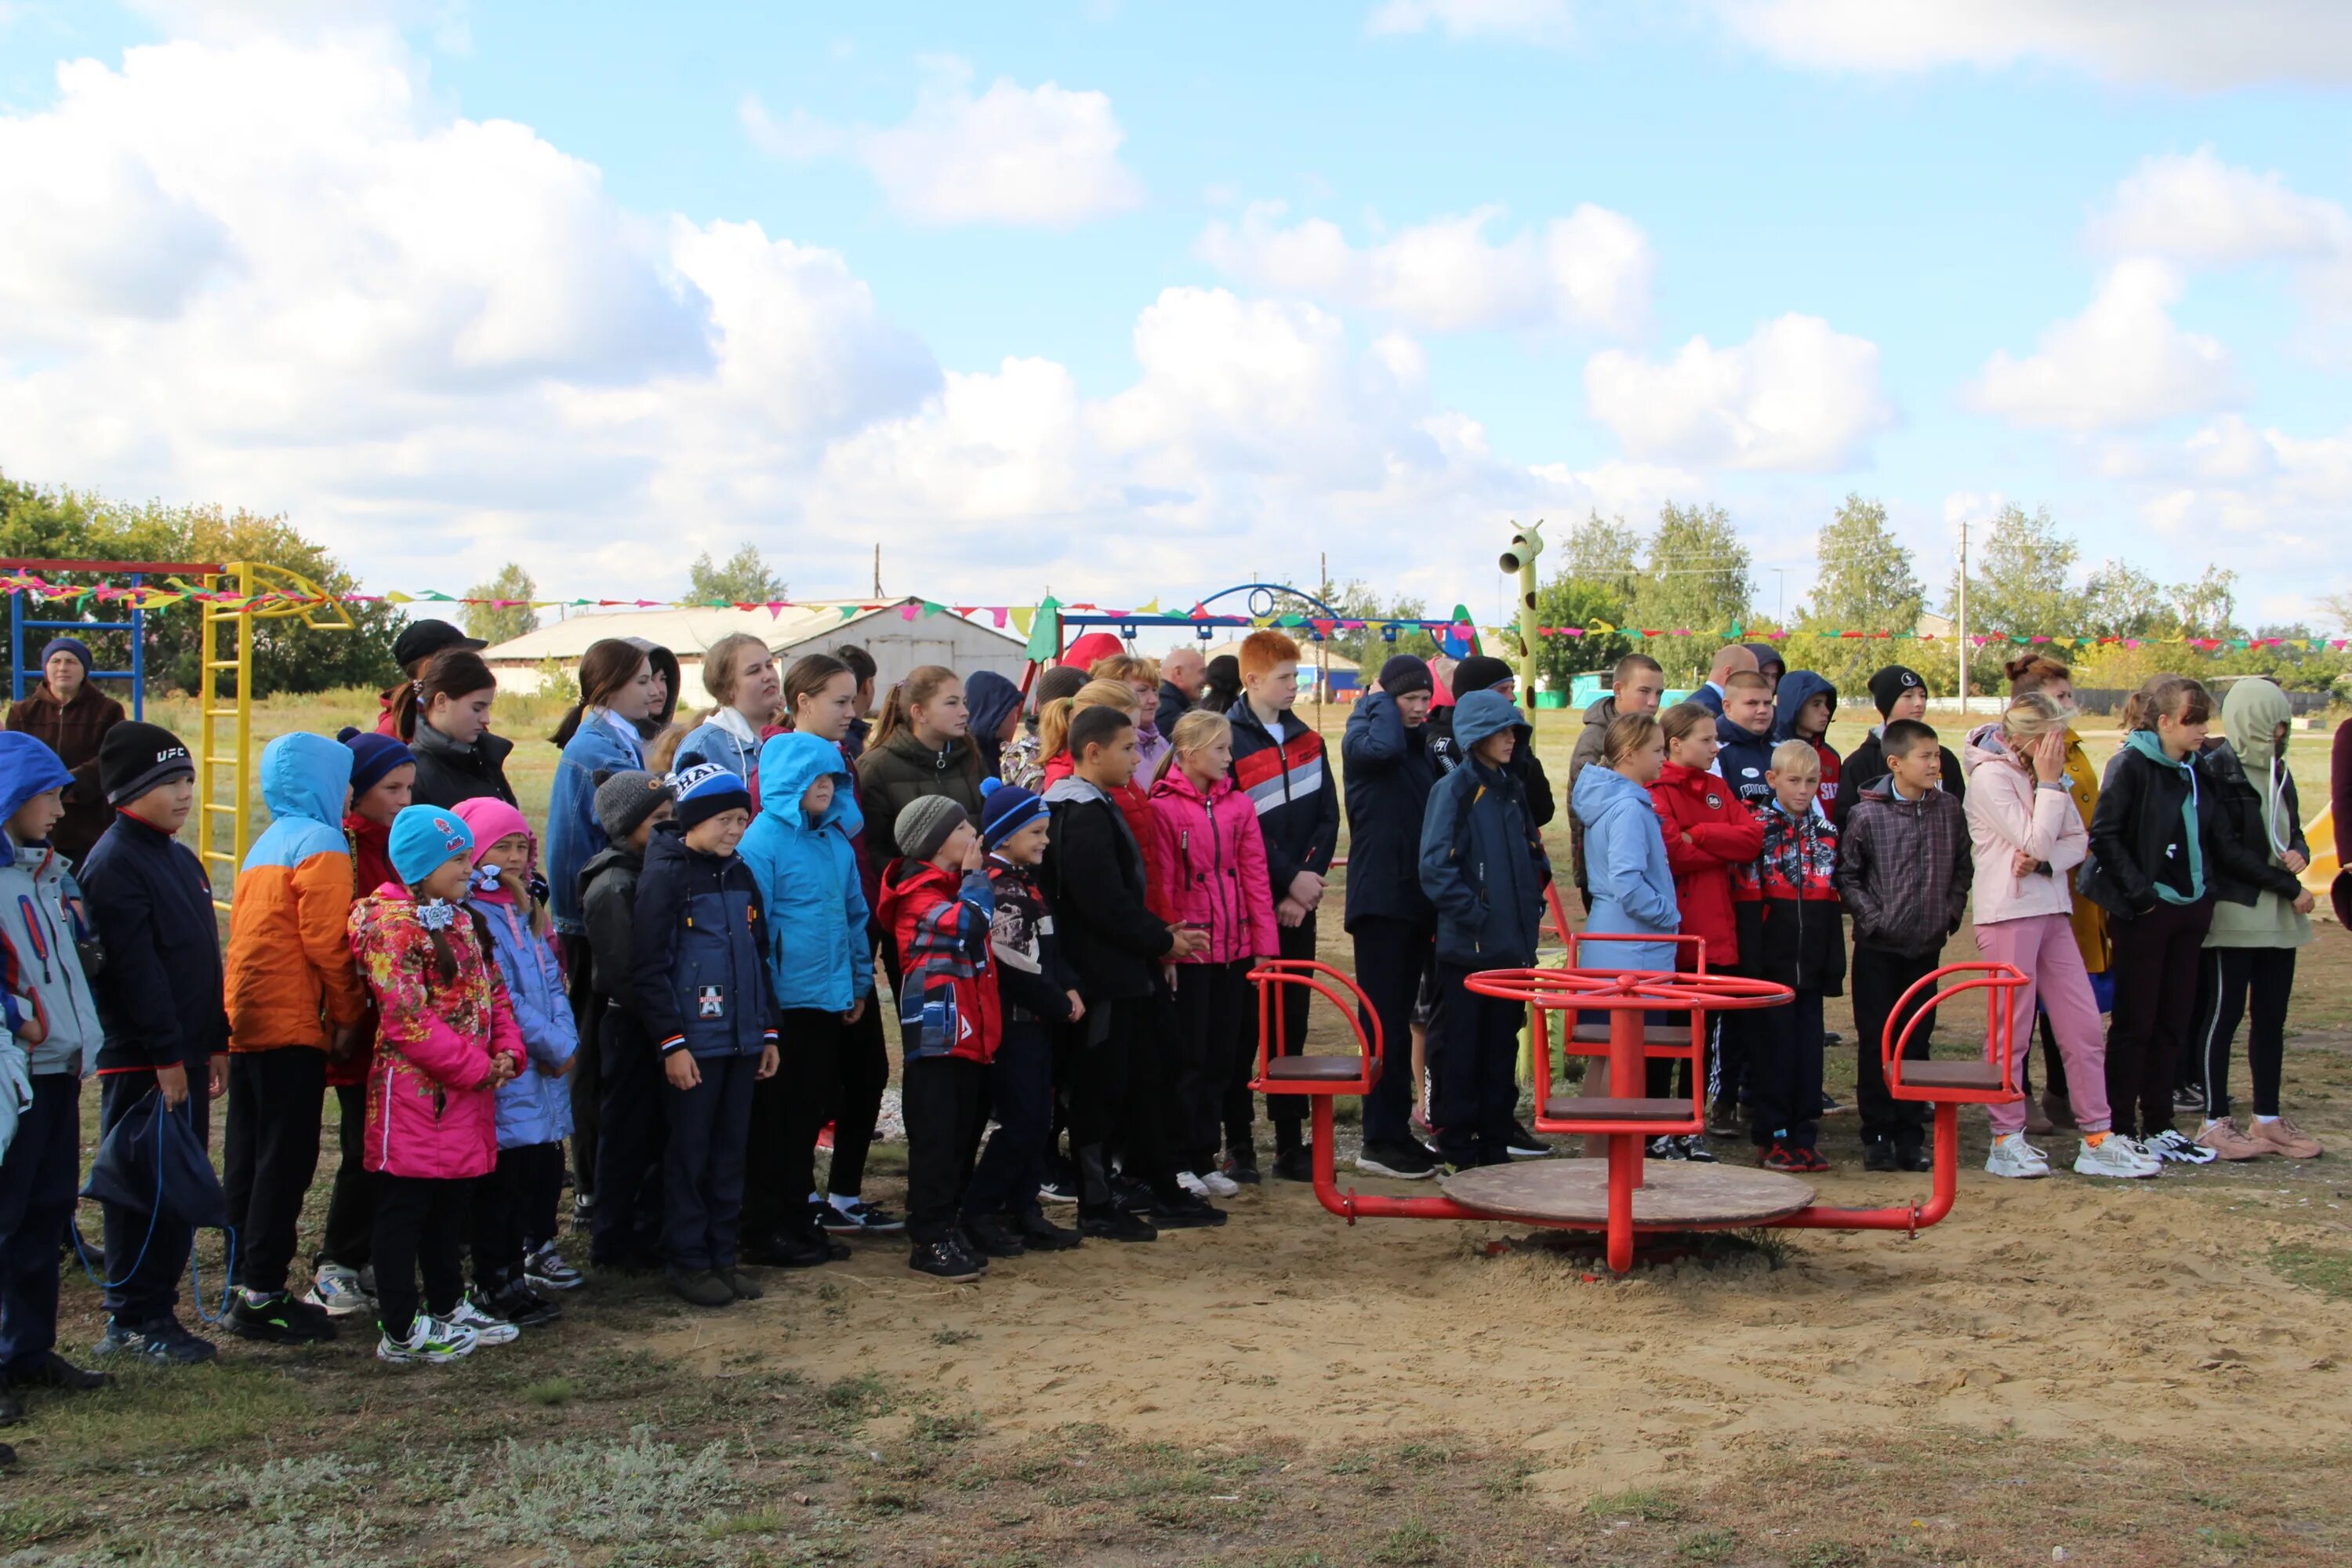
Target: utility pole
1961,620
877,569
1322,645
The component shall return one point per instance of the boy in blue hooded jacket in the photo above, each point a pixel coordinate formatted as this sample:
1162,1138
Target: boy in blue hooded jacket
1484,866
51,1045
801,855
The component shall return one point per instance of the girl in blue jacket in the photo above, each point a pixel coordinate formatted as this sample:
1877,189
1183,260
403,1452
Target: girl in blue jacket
800,854
1625,850
514,1207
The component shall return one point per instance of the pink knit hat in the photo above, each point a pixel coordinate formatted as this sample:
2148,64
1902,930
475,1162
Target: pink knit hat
490,819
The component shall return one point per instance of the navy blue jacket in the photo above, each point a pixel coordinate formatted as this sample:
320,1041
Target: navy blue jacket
158,996
1482,863
697,959
1389,773
1743,761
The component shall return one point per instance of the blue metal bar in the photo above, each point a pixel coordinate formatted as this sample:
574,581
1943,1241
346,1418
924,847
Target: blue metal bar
136,626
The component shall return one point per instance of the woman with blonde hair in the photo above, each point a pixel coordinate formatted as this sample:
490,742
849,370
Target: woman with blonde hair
739,673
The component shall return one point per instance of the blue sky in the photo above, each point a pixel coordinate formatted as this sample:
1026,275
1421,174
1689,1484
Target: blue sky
2073,254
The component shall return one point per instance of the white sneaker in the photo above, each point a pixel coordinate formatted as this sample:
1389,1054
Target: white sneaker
1220,1186
430,1338
487,1330
2013,1157
337,1290
1193,1183
2142,1156
2180,1148
2117,1156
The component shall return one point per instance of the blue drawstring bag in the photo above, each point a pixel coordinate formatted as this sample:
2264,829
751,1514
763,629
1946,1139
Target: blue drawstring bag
153,1163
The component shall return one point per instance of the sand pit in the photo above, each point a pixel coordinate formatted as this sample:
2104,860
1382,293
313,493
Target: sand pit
2039,1309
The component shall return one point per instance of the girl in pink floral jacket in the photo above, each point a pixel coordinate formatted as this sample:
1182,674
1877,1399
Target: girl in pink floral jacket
445,1040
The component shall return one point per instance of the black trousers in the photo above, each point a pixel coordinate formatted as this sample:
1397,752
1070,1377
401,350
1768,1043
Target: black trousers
946,1103
2155,964
420,1224
514,1210
2263,976
1474,1053
1115,1072
146,1254
702,1168
37,1179
1878,980
1210,1024
587,1066
1391,957
788,1111
276,1101
1784,1073
1290,1015
864,1065
626,1230
350,1205
1020,1095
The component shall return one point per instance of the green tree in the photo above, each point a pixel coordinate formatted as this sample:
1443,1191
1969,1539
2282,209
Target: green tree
744,578
2018,584
1866,584
1603,553
1697,579
2336,610
496,625
1367,647
1571,601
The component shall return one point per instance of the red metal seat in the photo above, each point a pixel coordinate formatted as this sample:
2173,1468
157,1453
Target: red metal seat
1304,1074
1989,1080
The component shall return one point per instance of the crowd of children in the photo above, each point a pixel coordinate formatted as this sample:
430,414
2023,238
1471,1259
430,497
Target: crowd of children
678,979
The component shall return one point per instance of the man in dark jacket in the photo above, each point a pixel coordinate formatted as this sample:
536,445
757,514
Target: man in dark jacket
1479,673
1389,773
1636,685
1898,693
1903,871
1483,866
1094,874
159,1000
1279,764
1181,675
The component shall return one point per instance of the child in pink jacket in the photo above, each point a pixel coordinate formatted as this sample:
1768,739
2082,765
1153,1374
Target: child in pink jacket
2027,838
1208,864
445,1040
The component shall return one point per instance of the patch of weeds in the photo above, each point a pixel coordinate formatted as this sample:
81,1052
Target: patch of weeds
27,1520
552,1391
1510,1481
1422,1455
2327,1270
952,1337
1352,1465
887,1502
1410,1544
1035,1467
1825,1554
763,1522
1647,1504
1706,1546
861,1398
2222,1538
930,1429
639,1492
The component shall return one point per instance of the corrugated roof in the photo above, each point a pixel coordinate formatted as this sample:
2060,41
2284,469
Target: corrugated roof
682,631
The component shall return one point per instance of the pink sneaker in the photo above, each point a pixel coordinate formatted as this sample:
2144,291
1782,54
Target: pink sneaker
2224,1139
2283,1137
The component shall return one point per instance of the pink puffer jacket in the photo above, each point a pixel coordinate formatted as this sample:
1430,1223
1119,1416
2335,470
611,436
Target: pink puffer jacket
1209,857
2008,812
426,1113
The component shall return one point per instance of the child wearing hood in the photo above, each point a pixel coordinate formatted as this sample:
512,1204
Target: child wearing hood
514,1208
801,854
293,1002
1483,866
2258,923
445,1042
995,704
1804,706
51,1045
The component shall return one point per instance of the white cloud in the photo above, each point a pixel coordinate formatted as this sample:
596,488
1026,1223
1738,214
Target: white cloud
2122,363
1798,395
1547,22
2199,210
2184,43
1040,155
1590,270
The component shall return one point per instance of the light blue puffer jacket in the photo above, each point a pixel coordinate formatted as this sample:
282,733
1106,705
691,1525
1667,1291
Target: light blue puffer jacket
807,872
536,1107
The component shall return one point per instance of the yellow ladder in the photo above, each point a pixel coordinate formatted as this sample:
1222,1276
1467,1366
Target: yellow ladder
233,754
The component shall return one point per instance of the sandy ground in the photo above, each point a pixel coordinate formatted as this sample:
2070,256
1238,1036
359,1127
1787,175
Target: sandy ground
2046,1310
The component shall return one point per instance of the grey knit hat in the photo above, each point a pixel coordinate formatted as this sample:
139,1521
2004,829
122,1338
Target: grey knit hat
624,799
925,825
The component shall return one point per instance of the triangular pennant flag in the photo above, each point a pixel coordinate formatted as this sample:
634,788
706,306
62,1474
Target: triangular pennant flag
1022,616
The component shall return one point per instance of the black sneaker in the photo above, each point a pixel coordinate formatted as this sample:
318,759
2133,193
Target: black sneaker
523,1307
1831,1037
1042,1235
1694,1150
1912,1157
971,1255
1241,1165
1398,1161
786,1251
992,1237
1526,1145
1666,1146
1829,1106
1115,1225
165,1342
2189,1096
1183,1211
941,1261
1058,1190
1723,1121
53,1371
584,1213
1130,1194
1879,1155
860,1219
277,1319
699,1288
746,1289
1294,1165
